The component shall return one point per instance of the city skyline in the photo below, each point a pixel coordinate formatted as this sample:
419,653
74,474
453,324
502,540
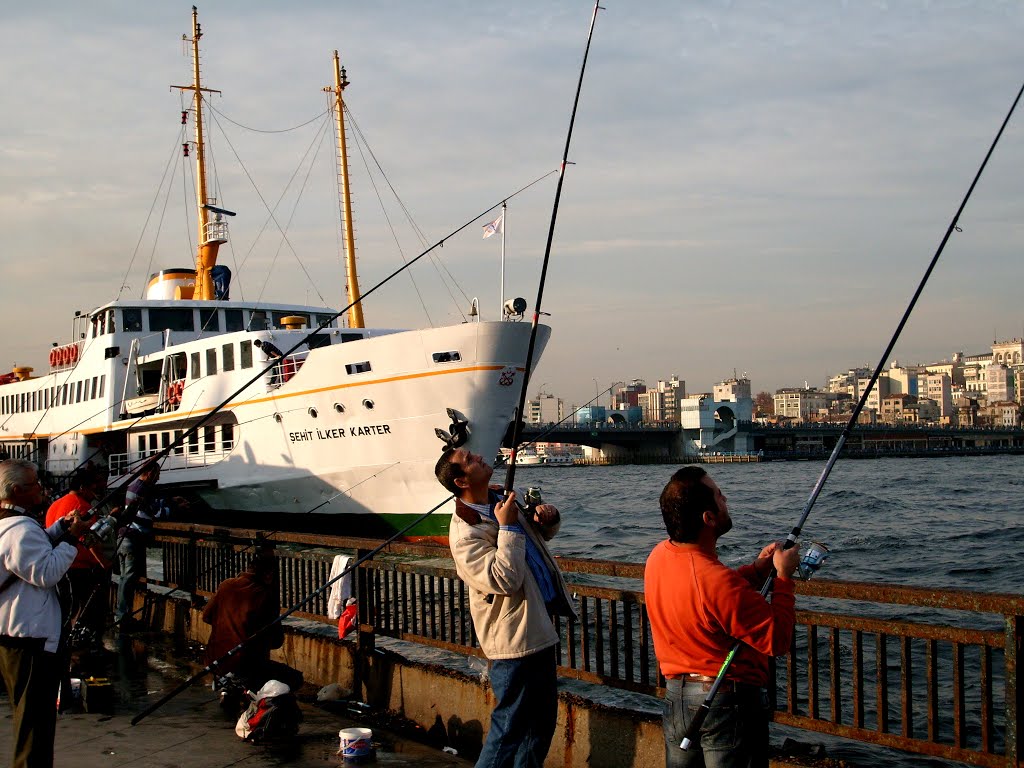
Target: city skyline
751,182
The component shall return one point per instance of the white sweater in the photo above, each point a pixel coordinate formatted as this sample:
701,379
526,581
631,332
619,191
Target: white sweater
29,606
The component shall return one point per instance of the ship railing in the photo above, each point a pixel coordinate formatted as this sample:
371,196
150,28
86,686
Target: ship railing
285,368
119,464
216,230
928,671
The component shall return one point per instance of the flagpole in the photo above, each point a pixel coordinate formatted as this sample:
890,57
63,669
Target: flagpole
501,302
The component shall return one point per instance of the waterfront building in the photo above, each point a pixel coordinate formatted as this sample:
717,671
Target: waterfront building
673,390
939,387
591,414
849,382
629,394
711,424
998,383
732,390
953,368
898,407
800,404
999,414
1008,353
904,379
652,406
544,409
880,390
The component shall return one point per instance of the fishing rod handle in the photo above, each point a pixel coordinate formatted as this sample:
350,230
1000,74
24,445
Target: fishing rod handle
693,730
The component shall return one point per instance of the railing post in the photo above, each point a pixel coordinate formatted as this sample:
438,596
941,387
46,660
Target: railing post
364,606
1014,690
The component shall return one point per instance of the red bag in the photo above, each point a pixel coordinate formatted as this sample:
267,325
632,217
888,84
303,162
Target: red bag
347,621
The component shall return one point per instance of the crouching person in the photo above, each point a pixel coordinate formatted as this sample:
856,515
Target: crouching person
514,588
240,608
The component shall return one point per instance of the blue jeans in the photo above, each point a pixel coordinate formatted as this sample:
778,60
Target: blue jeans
131,556
734,735
523,720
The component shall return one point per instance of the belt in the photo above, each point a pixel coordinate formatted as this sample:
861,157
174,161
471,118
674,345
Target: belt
707,681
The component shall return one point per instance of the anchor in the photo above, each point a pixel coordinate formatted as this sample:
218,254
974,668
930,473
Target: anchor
458,430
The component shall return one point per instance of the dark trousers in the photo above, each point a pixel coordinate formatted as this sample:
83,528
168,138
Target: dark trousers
30,676
523,720
734,735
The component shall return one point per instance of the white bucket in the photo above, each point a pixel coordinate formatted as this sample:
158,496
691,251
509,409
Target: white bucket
355,742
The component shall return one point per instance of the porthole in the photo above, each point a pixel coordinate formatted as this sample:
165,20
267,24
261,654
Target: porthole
312,413
338,407
368,404
277,417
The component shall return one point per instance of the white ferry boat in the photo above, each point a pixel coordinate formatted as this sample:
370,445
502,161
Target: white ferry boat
346,425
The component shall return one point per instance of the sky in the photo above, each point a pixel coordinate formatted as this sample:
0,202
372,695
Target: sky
756,187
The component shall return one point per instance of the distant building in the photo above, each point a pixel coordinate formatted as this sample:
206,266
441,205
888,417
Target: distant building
1008,353
732,390
898,407
629,395
998,383
545,409
673,390
939,387
800,404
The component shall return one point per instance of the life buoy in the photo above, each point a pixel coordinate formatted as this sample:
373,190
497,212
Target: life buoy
73,354
53,358
179,388
62,356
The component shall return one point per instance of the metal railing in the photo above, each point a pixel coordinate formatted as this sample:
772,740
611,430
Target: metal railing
943,684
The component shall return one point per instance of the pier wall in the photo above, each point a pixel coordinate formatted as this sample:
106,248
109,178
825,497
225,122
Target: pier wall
433,696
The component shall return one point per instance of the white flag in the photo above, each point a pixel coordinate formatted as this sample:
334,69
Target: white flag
496,226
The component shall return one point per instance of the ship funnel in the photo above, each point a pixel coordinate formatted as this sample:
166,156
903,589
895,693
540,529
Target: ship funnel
170,284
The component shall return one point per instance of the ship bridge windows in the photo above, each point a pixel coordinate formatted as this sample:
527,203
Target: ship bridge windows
195,366
233,320
132,318
171,319
318,340
209,320
228,357
211,362
258,321
327,321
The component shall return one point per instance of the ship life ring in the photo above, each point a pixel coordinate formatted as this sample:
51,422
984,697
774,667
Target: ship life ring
62,355
73,354
53,358
179,388
174,391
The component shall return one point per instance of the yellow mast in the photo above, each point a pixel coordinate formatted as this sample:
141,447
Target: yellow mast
211,234
355,313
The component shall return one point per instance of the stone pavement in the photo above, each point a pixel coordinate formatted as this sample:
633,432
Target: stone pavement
191,731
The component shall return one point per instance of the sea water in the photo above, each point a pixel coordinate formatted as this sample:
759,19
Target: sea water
943,523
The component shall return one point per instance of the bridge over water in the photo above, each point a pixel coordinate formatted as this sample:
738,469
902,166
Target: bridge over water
619,442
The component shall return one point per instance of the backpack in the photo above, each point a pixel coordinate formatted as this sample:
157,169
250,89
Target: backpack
273,716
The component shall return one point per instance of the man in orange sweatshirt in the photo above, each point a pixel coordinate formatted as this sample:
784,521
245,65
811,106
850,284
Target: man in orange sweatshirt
698,609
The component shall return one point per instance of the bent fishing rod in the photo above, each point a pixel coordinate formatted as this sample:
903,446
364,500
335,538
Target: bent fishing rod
214,665
517,430
693,731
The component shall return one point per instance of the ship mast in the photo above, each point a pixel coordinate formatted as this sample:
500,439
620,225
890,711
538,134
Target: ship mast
355,312
211,233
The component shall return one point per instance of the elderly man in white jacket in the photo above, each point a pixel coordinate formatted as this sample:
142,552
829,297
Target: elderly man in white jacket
32,561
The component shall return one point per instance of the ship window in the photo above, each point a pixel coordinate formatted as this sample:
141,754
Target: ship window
258,320
209,320
103,381
97,325
327,321
447,357
363,367
209,439
165,439
110,321
95,387
142,444
318,340
233,320
211,362
63,394
165,319
351,337
179,448
78,392
132,317
152,441
228,353
245,354
195,365
227,436
193,443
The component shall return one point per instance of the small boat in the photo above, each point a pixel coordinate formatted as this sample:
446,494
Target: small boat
560,459
342,432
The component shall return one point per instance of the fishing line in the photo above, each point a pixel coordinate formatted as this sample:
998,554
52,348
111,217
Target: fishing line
517,416
692,732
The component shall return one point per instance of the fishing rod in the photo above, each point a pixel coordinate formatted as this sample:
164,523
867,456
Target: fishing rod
693,731
213,665
517,429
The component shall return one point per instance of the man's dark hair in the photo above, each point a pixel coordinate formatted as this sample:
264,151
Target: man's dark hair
448,472
684,501
263,563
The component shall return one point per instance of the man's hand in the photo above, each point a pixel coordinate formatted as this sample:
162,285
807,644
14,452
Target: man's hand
545,514
77,525
786,560
506,512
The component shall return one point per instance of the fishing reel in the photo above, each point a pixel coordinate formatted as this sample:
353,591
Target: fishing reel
812,560
102,530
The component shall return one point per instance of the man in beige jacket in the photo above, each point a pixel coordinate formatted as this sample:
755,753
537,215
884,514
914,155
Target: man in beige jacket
515,587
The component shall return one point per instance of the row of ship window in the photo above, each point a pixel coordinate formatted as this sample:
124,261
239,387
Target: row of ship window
158,319
51,397
214,439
